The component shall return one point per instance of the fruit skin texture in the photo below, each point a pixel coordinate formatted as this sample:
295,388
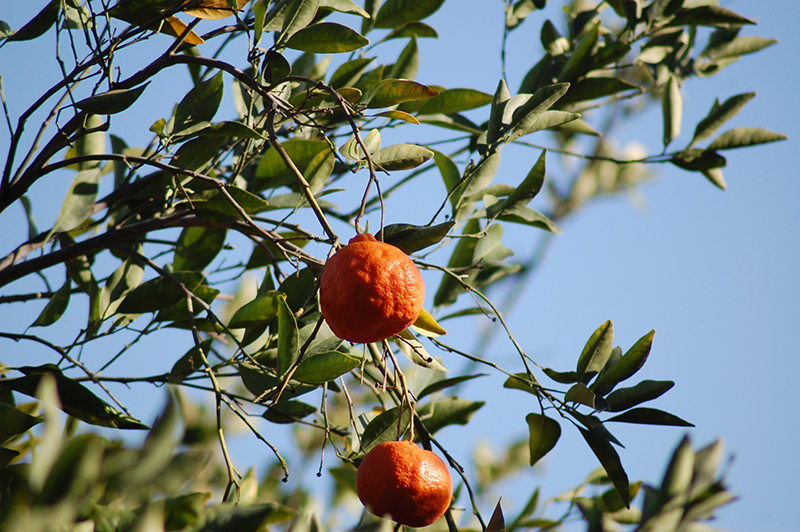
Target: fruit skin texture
370,291
409,484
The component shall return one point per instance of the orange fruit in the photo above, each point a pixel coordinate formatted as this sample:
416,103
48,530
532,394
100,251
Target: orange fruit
409,484
370,291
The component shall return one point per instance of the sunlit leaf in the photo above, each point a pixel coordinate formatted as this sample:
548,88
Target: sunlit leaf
720,114
325,367
215,9
327,38
597,350
401,157
394,13
629,364
79,202
427,326
389,92
741,137
454,101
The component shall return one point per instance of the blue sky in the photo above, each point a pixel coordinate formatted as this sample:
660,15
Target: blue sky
715,273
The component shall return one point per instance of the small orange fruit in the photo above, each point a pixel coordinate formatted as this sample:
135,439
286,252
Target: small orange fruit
407,483
370,291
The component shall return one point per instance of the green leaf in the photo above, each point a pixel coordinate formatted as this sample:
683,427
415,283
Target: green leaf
609,458
544,433
737,47
216,201
454,101
401,157
325,367
197,247
521,381
450,288
672,110
349,72
55,307
476,180
443,384
239,517
411,238
563,377
288,337
79,202
710,15
198,106
718,115
159,293
697,160
526,114
451,175
230,129
522,214
284,412
629,364
387,426
741,137
647,390
394,13
74,398
273,168
580,393
389,92
15,422
344,6
580,61
594,88
650,416
490,249
75,471
327,38
520,11
39,24
525,192
596,351
407,63
420,30
451,411
111,102
179,312
500,99
297,16
678,476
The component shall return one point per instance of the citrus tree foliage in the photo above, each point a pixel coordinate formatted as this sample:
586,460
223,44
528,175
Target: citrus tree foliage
154,235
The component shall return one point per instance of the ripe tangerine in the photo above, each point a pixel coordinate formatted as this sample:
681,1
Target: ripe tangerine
409,484
370,291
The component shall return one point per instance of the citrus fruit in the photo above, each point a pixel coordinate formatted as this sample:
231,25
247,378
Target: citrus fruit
370,291
409,484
